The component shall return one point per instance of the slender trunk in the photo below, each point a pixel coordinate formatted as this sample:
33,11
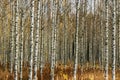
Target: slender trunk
65,38
76,42
37,41
91,39
31,40
106,41
21,46
119,29
53,3
102,36
114,39
42,41
17,40
12,41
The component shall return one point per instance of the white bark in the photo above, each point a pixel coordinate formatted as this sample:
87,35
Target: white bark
114,39
21,44
31,40
119,29
37,41
106,41
76,42
53,38
17,40
12,41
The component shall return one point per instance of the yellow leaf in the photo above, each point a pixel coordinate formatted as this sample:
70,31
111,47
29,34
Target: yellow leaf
65,76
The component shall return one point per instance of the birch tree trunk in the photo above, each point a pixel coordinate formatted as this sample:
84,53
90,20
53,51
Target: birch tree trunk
106,40
31,40
37,41
16,40
53,6
42,39
21,44
76,42
65,35
12,40
119,29
114,40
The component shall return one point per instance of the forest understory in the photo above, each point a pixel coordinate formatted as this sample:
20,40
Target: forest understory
62,72
60,39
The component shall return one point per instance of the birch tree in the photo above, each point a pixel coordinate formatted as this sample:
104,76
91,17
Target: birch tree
119,27
65,35
31,40
53,12
16,40
37,41
106,40
12,38
114,39
23,6
76,42
21,42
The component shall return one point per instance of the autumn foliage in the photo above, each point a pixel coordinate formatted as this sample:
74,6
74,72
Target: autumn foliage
61,73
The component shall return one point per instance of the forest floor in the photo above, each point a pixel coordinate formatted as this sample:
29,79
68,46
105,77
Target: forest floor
62,73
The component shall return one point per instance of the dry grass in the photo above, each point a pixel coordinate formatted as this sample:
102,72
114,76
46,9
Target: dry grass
61,73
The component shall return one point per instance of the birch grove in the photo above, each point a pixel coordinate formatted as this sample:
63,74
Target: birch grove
59,39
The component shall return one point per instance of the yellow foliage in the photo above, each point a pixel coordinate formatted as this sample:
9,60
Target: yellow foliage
65,76
91,77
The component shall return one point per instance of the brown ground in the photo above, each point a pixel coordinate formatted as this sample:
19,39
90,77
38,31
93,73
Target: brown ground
61,73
